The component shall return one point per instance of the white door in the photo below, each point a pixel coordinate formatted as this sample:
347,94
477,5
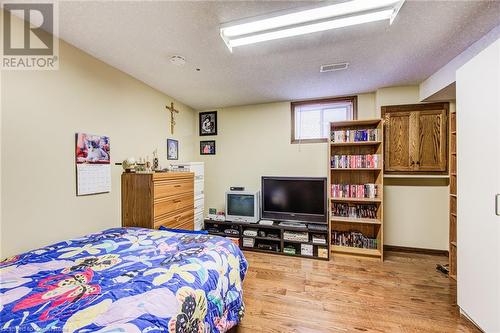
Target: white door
478,176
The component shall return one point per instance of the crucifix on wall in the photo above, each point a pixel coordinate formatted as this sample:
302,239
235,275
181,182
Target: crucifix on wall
172,119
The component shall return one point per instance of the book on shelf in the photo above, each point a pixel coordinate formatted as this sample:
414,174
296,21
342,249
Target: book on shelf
354,211
354,191
369,161
360,135
353,239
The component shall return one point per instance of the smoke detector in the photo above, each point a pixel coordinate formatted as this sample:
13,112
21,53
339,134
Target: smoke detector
178,60
333,67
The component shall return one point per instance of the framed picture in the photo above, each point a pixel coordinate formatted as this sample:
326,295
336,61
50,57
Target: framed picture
208,123
207,147
172,149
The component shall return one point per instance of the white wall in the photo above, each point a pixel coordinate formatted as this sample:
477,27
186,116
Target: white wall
445,76
478,181
41,112
254,140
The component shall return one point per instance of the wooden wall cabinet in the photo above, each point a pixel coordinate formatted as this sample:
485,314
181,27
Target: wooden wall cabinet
416,138
158,199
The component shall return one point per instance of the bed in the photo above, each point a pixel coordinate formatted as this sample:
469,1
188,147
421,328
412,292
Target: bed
125,280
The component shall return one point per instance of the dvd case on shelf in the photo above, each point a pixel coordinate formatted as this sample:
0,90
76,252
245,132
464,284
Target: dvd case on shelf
354,191
370,161
354,211
360,135
353,239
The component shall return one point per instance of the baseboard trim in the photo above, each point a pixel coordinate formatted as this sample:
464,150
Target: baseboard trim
466,316
415,250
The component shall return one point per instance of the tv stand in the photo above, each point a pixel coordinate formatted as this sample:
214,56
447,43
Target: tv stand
275,238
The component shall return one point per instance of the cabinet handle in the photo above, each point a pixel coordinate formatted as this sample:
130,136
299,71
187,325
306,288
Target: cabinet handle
497,204
177,201
178,185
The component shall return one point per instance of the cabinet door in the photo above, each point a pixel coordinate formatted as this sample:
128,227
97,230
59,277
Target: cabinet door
432,141
400,141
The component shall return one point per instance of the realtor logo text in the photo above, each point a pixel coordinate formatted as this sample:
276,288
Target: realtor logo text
28,37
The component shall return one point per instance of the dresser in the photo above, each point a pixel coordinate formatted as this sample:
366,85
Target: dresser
199,178
158,199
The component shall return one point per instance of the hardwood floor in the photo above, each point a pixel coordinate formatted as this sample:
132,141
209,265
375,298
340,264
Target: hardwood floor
405,293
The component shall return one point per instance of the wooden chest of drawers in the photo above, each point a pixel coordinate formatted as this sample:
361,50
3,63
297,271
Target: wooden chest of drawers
159,199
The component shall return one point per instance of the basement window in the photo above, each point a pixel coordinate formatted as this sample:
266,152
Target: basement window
311,119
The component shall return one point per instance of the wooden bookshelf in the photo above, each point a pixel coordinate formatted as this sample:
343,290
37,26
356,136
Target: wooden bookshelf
369,227
452,268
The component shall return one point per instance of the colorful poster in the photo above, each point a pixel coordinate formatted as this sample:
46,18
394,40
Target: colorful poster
93,168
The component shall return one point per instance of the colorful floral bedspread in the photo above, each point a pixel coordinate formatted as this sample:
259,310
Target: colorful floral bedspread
125,280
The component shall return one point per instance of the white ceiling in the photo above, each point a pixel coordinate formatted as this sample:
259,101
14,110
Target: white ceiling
138,37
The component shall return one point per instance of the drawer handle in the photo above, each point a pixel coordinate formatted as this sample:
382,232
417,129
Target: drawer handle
178,185
177,201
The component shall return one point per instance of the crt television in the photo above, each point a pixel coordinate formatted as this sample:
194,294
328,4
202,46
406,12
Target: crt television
294,199
243,206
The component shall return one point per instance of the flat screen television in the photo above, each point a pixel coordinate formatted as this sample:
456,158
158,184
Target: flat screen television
242,206
294,199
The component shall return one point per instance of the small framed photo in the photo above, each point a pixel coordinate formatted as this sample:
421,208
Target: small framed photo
172,149
207,147
208,123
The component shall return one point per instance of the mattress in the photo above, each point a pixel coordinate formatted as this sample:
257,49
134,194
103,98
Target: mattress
125,280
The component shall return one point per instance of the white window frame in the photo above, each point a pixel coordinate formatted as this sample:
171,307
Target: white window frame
320,104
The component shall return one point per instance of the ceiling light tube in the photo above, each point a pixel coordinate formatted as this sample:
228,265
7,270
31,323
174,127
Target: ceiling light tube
308,21
310,28
315,14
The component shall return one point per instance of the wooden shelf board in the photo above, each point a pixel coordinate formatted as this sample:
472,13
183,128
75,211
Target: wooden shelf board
417,176
356,169
454,277
453,132
453,195
357,143
454,243
455,154
356,123
454,214
355,250
354,220
356,199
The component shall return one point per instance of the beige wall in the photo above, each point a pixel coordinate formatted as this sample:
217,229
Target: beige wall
254,140
42,111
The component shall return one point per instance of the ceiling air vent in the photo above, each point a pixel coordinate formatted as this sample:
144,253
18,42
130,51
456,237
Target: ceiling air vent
333,67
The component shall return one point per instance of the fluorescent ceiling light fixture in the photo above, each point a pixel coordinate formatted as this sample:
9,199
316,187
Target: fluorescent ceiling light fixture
308,21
